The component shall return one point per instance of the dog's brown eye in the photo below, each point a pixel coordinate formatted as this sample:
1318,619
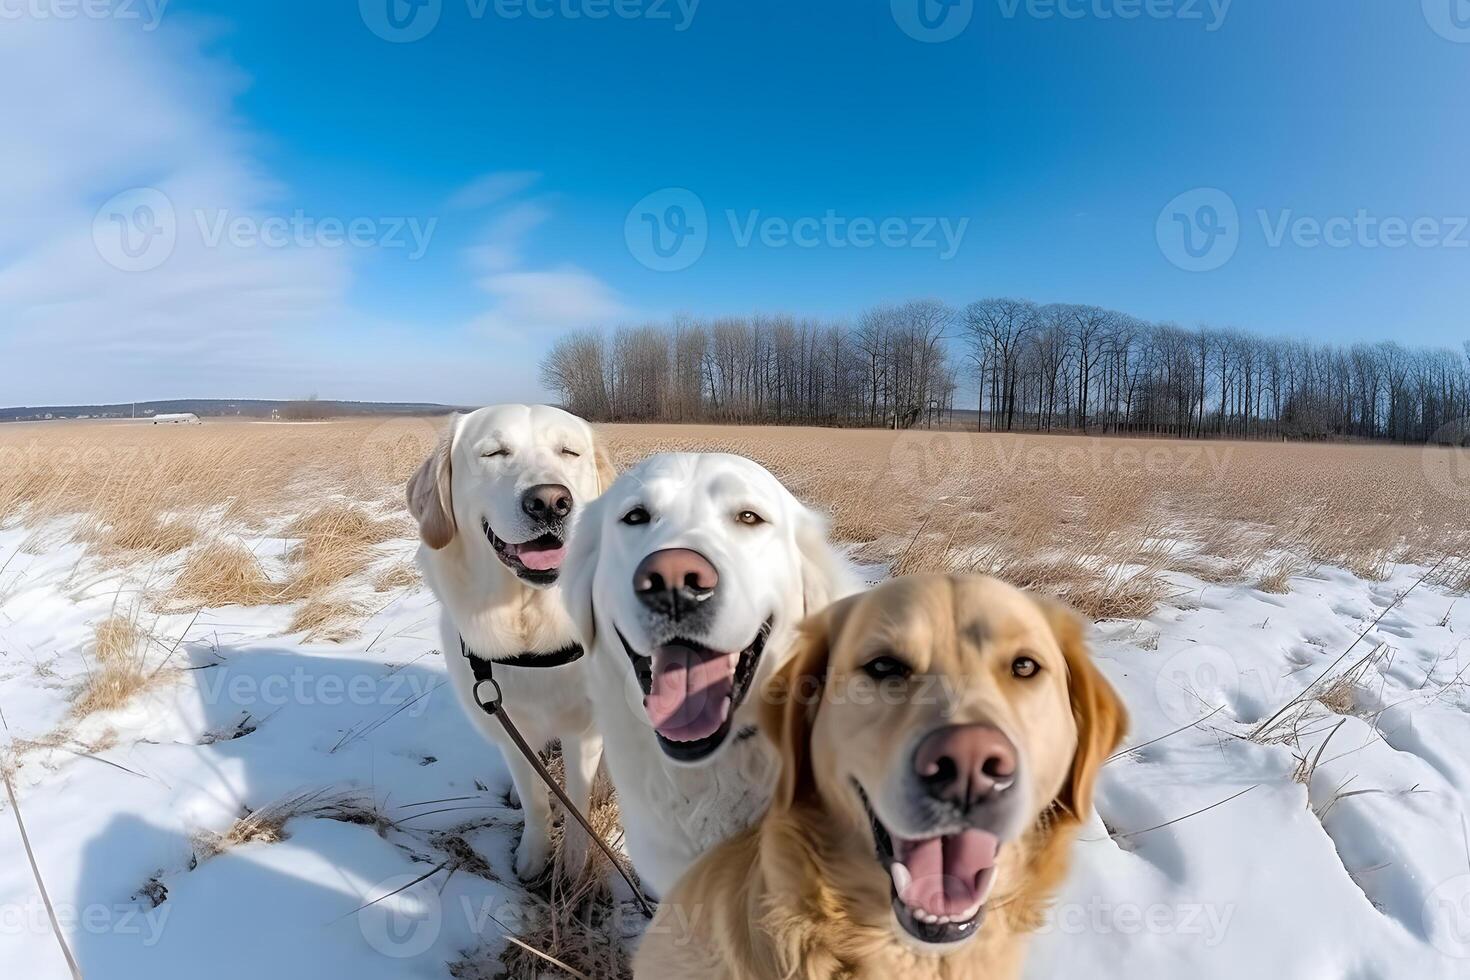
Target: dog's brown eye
1025,667
749,518
572,453
887,669
636,516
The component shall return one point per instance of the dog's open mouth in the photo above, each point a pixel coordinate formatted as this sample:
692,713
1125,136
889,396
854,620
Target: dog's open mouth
537,560
691,692
939,884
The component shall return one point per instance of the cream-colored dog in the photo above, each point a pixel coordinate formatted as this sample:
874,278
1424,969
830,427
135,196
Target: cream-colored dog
939,737
687,579
493,504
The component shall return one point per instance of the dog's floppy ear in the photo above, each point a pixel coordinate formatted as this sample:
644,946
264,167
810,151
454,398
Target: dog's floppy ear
579,568
1099,714
430,494
790,701
606,471
825,575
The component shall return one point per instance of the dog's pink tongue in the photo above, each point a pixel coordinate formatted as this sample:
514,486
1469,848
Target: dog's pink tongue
542,559
945,872
690,696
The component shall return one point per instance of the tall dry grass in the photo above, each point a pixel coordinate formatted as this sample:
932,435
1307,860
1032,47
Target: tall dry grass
1098,521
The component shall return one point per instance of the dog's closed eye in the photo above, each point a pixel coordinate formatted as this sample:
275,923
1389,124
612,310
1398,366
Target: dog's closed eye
571,452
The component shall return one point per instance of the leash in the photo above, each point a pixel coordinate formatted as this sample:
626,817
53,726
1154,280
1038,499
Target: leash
495,707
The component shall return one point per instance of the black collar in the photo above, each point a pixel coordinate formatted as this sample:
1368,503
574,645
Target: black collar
570,653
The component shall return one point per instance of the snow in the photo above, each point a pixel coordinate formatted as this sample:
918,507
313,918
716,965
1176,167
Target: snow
1360,872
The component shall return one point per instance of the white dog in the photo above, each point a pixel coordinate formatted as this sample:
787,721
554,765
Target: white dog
686,580
493,502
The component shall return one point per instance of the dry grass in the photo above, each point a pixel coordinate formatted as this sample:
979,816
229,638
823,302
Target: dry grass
118,670
573,918
1087,518
401,575
333,620
224,574
267,825
1098,521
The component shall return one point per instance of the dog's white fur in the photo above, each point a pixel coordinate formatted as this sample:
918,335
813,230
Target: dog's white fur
497,613
783,569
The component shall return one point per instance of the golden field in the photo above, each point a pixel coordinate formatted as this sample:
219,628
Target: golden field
1096,520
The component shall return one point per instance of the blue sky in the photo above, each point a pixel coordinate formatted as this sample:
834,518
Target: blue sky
492,165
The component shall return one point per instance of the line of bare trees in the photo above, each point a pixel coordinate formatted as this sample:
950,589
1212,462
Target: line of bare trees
1036,367
894,366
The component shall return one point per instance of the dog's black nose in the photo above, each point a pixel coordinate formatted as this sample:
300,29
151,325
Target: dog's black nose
547,502
966,764
675,581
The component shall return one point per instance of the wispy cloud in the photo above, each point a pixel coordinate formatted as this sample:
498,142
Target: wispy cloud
492,188
528,304
531,303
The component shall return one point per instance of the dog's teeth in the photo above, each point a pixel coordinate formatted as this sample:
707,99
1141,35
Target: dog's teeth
902,877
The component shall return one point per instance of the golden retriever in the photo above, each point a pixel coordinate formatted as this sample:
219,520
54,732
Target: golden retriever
940,737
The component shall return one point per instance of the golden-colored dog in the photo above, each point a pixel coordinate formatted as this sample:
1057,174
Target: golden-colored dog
940,737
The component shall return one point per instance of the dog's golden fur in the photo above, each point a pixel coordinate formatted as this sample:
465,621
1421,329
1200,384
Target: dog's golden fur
801,896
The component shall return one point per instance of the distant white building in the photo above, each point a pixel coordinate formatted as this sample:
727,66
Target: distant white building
176,418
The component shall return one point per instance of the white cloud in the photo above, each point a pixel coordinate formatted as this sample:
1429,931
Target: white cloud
493,188
505,237
531,303
99,107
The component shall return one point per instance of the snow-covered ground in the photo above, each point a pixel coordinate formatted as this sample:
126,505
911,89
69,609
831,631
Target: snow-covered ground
1351,865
